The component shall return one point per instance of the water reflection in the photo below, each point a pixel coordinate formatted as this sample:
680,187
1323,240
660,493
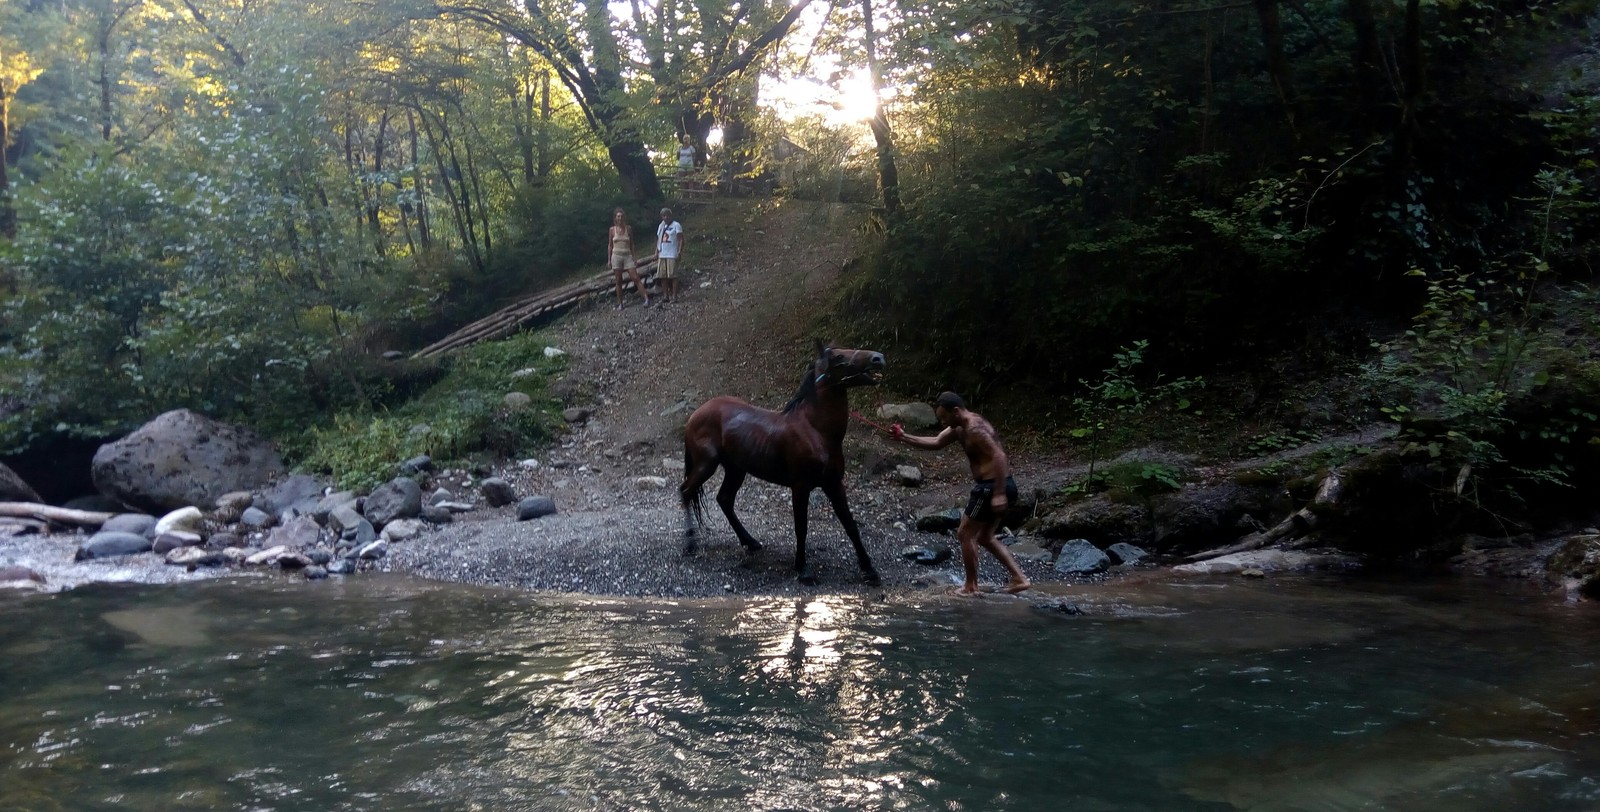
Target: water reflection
393,695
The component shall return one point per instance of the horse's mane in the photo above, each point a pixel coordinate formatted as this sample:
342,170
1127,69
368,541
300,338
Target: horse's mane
808,389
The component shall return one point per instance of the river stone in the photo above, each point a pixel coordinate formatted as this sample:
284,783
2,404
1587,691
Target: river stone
316,572
534,507
236,555
224,540
575,414
497,492
433,514
927,556
299,533
173,539
1272,561
516,401
910,415
1079,557
650,483
399,498
455,507
195,557
440,496
344,517
401,530
10,574
331,503
256,518
1125,553
341,567
111,544
319,555
266,556
420,464
230,506
362,533
292,561
1577,564
1029,551
187,518
910,475
13,489
140,523
374,551
290,492
183,458
938,520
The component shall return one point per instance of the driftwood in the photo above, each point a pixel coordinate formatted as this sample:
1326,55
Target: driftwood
1297,525
54,515
509,319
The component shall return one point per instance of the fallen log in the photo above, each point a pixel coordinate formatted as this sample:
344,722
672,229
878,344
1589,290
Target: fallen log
1297,525
54,515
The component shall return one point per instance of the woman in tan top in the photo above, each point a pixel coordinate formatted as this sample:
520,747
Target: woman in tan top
620,240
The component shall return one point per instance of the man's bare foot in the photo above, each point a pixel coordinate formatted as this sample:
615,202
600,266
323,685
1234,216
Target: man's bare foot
1017,586
964,592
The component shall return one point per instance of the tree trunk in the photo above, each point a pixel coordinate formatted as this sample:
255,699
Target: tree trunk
545,163
1277,60
8,209
888,173
376,201
1366,60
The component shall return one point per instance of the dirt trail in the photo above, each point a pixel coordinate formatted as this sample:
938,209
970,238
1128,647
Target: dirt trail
750,280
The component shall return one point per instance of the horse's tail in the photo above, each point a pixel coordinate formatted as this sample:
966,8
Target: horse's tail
694,513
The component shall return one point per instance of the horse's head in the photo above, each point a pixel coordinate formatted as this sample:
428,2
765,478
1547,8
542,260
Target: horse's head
839,366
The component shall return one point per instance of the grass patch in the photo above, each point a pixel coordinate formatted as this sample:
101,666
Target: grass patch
463,413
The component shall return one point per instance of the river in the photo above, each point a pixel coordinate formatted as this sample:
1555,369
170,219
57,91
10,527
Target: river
388,693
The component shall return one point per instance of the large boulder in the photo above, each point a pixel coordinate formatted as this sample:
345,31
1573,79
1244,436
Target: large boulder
183,458
1199,517
13,489
399,498
1099,520
112,544
909,415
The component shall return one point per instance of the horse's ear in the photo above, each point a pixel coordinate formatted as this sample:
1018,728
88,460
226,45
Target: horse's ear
822,353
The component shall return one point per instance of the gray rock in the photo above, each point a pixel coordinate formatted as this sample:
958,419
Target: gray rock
333,501
140,523
186,518
440,496
231,505
13,489
1029,551
455,507
341,567
938,520
319,555
433,514
1079,557
195,557
1267,561
534,507
401,530
289,492
1100,520
575,414
344,517
20,574
399,498
910,415
112,544
516,401
299,533
257,518
316,572
497,492
1125,553
267,556
293,561
173,539
419,464
374,551
361,533
650,483
927,556
183,458
910,475
220,541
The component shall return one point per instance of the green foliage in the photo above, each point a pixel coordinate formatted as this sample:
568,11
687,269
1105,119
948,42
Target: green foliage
1271,442
1129,480
1118,395
462,413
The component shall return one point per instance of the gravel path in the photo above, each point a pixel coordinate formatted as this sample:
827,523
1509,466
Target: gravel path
740,328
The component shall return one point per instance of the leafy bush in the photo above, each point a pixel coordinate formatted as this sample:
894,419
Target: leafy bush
464,412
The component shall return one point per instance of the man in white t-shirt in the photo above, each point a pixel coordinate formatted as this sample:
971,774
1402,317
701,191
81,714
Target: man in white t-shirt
669,248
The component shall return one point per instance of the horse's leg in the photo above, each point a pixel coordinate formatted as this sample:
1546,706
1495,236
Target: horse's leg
802,504
835,493
696,472
731,482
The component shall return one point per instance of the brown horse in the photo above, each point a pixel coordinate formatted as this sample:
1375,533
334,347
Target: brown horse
801,447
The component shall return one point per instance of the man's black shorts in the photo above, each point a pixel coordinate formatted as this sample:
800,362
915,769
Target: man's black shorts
978,507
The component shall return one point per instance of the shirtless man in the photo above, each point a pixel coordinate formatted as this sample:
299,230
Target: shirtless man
987,506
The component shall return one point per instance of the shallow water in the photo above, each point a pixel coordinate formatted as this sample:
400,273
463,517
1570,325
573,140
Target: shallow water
382,693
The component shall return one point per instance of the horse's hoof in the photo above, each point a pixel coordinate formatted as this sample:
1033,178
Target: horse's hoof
689,551
872,579
752,546
808,578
